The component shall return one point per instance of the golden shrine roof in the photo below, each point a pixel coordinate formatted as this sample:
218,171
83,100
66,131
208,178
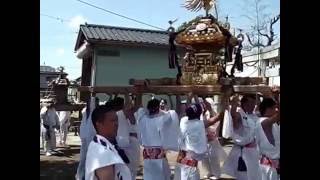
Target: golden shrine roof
205,32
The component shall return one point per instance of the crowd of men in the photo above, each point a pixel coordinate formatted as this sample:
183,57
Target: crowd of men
113,133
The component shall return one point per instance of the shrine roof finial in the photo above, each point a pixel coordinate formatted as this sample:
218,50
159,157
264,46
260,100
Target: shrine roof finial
196,5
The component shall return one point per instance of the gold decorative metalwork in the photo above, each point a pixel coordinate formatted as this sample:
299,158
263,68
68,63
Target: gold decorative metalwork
196,5
206,40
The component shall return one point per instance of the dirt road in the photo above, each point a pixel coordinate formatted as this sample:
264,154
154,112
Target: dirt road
63,165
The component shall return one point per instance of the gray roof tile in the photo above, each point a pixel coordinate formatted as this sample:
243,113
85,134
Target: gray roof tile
123,34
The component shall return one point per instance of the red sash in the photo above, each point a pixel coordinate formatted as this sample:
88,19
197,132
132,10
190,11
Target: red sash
269,162
251,145
153,153
183,159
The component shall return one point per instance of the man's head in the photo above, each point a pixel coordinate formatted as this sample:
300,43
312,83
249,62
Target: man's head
153,106
118,103
248,103
194,111
163,105
268,107
105,121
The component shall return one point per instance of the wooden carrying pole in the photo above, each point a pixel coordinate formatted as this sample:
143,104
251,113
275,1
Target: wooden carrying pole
177,89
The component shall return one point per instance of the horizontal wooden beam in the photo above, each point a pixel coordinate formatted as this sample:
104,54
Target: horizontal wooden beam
176,89
182,89
264,89
149,82
108,89
172,81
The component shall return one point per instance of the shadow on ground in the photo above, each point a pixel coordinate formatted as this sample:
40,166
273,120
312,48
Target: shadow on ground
60,166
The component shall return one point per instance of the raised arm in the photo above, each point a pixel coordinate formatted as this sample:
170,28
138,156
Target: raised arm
273,119
105,173
236,117
129,109
189,98
196,99
212,120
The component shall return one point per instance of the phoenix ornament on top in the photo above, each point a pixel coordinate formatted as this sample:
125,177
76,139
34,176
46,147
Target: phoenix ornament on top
196,5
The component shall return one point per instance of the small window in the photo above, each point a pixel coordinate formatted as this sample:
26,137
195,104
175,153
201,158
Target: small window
114,53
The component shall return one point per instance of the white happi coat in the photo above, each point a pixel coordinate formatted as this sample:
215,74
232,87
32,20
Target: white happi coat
128,143
241,137
64,117
133,152
269,150
101,153
216,153
193,140
49,118
171,131
87,132
151,134
123,130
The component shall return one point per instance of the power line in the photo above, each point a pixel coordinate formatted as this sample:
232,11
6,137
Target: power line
56,18
108,11
62,20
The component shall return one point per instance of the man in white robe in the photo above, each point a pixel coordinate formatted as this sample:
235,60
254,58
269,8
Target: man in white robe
243,160
193,142
268,140
104,160
133,151
216,153
126,135
170,128
152,137
64,117
87,132
49,122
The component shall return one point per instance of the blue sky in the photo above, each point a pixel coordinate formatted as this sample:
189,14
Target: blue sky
57,38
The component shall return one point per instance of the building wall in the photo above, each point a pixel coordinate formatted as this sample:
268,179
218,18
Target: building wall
132,62
267,54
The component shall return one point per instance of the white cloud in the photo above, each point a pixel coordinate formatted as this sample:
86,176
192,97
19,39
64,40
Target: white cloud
76,21
60,52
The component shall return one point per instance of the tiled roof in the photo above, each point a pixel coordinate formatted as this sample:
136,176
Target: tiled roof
93,32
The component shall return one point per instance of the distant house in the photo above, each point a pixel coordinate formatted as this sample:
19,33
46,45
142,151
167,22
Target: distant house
47,74
269,61
112,55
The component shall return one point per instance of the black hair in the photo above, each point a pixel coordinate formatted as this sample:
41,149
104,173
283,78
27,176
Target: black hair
246,98
164,101
153,105
194,111
266,103
118,102
109,103
98,114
